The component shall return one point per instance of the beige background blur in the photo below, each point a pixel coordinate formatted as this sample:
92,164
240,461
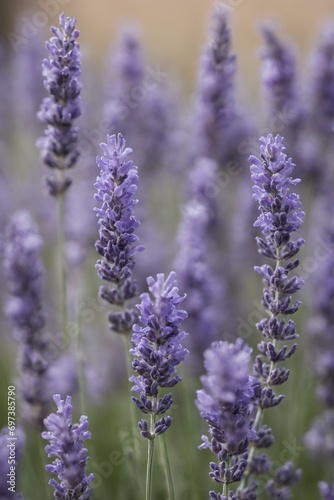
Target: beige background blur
173,30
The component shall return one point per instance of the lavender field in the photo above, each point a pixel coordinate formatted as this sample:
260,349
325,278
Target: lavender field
167,269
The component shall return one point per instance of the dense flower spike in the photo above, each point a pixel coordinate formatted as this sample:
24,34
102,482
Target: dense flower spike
215,95
62,107
116,186
279,78
67,445
224,403
280,216
157,350
23,272
322,97
320,438
11,448
194,261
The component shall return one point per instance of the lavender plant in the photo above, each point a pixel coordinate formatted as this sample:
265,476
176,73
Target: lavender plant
157,350
67,445
280,216
320,437
58,111
23,273
225,404
116,186
215,94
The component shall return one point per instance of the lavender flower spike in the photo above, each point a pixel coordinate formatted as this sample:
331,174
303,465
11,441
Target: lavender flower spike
280,216
158,350
23,273
224,403
116,186
67,445
62,107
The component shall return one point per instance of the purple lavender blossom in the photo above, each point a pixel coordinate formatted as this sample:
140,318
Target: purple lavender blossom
116,186
7,444
326,491
195,259
157,350
62,107
279,78
23,272
224,403
322,86
285,477
67,445
215,100
280,216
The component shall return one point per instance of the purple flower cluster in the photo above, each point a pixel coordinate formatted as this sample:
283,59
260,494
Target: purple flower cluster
11,449
157,350
62,107
23,273
215,100
279,78
225,403
67,445
280,216
116,186
194,261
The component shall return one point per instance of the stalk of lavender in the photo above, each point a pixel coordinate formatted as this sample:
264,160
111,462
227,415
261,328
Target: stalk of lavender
58,111
225,403
319,439
194,261
23,273
116,186
280,216
279,79
215,100
59,149
67,445
157,350
11,449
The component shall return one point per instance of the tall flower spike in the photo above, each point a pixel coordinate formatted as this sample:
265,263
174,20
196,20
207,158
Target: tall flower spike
157,350
116,186
279,78
59,148
280,216
215,100
67,445
23,272
225,403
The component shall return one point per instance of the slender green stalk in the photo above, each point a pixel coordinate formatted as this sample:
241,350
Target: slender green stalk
128,359
150,455
166,467
61,259
80,354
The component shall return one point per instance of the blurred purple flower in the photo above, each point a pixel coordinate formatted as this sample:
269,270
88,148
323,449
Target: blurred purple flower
224,403
326,491
157,350
23,273
67,445
116,186
59,110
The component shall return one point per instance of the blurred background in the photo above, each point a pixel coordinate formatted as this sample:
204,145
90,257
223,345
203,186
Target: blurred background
173,31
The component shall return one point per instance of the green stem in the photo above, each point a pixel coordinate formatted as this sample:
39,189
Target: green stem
61,262
150,455
128,361
80,356
166,467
